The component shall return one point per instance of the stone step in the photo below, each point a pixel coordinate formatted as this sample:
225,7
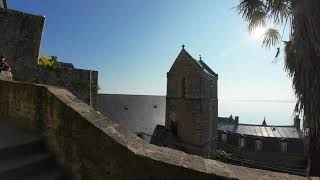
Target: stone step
23,156
11,136
33,146
22,166
53,174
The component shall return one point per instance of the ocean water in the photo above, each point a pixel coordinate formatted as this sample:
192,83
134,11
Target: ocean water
253,112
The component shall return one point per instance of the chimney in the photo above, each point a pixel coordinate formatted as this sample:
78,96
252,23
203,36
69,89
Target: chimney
237,120
264,123
297,122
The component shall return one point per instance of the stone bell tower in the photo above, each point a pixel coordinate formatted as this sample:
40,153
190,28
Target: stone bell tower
192,106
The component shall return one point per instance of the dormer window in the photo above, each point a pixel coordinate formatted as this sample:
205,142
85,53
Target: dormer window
242,141
258,144
284,146
224,137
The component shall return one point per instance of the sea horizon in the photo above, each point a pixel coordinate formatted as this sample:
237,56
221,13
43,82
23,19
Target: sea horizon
275,112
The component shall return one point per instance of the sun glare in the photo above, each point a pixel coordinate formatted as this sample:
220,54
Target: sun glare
258,32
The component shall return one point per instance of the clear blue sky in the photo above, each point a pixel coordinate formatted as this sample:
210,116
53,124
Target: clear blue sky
133,43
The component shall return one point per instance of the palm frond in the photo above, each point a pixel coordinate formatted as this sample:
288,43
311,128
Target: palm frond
271,38
248,8
278,10
258,19
302,53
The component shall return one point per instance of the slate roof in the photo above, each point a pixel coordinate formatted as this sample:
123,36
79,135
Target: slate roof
207,68
185,55
138,114
260,130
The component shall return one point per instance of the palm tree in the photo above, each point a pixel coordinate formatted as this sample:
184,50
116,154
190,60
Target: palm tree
301,57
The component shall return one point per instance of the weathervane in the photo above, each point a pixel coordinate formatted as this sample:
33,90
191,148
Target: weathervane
200,57
183,46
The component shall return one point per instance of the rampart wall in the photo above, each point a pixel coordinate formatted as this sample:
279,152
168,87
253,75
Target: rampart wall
91,146
20,39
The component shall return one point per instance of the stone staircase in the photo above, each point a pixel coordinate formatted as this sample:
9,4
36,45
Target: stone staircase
23,156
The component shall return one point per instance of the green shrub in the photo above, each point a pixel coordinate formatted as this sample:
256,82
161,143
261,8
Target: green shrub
50,62
222,156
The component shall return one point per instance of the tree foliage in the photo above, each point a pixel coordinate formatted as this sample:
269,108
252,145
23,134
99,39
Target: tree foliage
49,62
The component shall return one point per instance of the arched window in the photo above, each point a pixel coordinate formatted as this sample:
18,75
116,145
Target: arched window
183,87
211,89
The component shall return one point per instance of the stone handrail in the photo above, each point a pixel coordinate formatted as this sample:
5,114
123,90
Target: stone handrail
91,146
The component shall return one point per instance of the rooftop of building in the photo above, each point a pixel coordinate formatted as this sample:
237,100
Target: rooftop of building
185,55
229,125
142,113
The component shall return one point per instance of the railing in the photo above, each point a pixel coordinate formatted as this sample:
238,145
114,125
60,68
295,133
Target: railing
244,162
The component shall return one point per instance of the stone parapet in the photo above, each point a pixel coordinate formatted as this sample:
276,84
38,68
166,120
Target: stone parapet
82,83
91,146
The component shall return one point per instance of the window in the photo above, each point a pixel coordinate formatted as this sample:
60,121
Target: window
211,89
258,145
284,146
174,128
242,142
224,137
183,87
306,131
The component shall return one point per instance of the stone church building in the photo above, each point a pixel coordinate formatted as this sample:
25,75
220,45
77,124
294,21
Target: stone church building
186,119
191,106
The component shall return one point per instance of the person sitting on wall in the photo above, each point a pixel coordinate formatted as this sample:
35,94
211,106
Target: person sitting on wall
5,70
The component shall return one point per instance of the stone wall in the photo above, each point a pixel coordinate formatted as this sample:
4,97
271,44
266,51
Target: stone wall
83,83
20,43
91,146
20,38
